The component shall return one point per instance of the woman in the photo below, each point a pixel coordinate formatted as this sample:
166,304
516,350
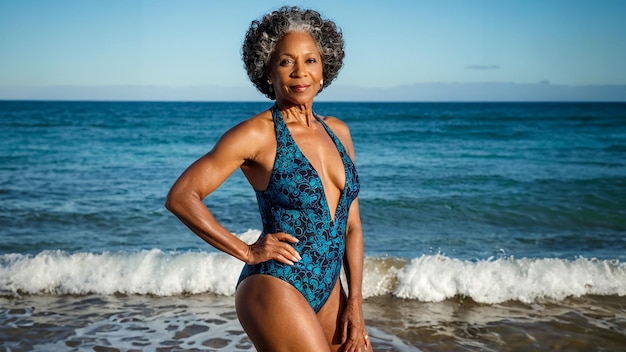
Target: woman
289,295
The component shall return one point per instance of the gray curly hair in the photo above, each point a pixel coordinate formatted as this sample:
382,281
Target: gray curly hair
264,34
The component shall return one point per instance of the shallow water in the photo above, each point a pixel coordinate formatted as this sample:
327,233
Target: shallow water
208,323
592,323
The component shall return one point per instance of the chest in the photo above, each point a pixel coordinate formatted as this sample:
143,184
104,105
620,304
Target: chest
319,151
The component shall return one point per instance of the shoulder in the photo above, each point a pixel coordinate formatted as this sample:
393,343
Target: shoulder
258,126
341,130
339,127
249,136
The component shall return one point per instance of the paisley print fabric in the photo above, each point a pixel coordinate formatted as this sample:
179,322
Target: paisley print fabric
295,203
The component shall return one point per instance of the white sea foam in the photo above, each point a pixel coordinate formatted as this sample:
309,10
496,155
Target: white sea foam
429,278
436,278
146,272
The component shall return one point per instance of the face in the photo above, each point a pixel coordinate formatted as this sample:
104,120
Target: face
295,69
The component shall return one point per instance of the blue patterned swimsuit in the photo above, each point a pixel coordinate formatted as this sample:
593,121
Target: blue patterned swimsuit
295,203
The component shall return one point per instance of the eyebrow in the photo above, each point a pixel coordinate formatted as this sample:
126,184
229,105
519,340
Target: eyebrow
305,54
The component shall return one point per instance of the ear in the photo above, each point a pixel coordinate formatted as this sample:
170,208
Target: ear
269,68
268,74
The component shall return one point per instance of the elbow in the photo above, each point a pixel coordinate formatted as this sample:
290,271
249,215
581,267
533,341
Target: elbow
169,203
180,201
172,202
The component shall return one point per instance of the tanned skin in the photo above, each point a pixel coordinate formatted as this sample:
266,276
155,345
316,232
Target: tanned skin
273,313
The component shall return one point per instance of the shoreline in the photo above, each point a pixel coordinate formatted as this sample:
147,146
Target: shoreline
209,321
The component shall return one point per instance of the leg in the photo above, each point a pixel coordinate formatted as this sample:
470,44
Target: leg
330,317
277,317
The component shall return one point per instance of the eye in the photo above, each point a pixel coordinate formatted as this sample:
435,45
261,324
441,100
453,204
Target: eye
284,62
311,60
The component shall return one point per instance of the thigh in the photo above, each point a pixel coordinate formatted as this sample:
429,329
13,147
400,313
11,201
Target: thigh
330,317
277,317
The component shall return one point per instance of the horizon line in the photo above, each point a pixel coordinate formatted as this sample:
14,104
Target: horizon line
322,101
417,92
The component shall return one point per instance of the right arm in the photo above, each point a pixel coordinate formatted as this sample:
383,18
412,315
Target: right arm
240,144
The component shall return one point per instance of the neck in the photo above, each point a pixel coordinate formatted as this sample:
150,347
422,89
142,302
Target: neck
293,112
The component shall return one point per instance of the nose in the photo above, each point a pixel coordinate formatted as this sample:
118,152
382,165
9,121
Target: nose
299,69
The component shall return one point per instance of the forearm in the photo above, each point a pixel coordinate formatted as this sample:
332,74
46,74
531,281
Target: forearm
353,262
192,212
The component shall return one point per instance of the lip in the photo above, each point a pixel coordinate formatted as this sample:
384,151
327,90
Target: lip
300,88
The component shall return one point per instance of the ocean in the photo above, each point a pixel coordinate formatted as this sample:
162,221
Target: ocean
488,226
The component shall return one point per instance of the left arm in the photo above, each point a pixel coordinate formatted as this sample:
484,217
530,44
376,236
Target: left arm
354,335
353,259
352,320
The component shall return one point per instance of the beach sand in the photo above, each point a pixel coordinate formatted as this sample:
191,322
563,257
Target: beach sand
592,323
208,322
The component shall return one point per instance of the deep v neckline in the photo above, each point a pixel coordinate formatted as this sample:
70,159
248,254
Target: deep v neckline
295,203
336,142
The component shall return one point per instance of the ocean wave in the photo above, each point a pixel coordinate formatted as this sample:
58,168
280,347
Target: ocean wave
428,278
435,278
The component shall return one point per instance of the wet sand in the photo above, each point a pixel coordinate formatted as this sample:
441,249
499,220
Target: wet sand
208,323
591,323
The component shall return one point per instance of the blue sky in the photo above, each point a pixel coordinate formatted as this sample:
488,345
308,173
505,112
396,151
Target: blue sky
183,44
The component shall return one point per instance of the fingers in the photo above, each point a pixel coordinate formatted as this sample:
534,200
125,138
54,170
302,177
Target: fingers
357,341
288,254
281,236
354,339
274,247
344,331
286,259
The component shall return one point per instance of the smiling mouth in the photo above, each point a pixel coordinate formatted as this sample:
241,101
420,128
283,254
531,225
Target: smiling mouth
300,88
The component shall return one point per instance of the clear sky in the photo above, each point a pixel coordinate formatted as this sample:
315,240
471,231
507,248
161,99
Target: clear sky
388,43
